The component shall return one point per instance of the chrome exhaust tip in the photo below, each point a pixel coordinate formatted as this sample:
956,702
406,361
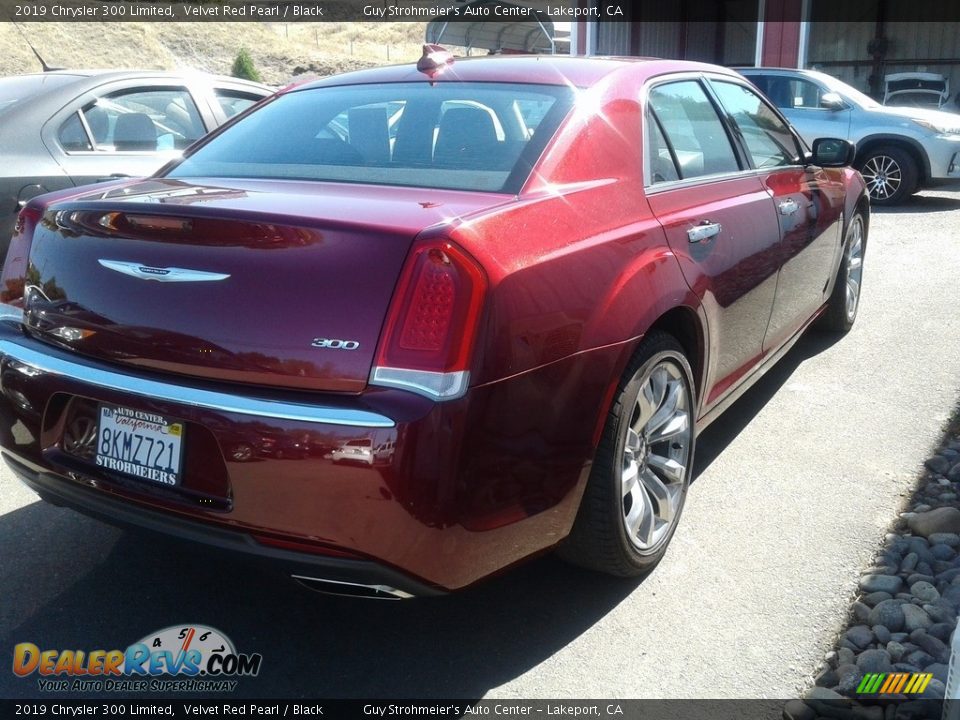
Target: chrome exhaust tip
350,589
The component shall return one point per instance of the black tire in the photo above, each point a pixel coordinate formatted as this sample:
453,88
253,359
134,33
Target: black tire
891,174
840,316
599,539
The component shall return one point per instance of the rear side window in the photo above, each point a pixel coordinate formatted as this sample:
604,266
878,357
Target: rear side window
768,140
695,132
72,136
464,136
662,165
233,102
144,120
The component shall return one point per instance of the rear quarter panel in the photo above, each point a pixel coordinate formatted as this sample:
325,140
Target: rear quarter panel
578,262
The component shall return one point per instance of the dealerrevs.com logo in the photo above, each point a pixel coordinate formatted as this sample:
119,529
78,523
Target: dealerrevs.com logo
180,658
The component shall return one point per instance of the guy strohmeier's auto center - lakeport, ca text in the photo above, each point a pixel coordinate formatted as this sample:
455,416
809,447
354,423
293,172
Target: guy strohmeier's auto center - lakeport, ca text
295,10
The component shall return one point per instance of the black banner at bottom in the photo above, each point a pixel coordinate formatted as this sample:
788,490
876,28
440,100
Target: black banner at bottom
545,709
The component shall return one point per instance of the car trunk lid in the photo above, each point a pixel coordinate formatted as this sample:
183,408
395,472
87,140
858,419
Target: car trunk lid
265,282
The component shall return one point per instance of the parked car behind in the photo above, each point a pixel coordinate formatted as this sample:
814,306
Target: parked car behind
916,89
900,150
64,128
517,315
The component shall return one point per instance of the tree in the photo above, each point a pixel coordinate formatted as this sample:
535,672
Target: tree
243,67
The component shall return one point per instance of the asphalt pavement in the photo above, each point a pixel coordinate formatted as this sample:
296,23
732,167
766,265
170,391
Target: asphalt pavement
795,489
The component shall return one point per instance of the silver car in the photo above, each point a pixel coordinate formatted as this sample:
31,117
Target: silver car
899,149
64,128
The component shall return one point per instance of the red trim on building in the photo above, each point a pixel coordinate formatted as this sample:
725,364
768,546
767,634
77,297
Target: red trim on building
781,33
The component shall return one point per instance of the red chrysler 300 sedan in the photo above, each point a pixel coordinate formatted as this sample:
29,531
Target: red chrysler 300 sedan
401,328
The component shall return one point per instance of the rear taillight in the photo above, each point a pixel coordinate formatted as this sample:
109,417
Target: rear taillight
432,323
14,275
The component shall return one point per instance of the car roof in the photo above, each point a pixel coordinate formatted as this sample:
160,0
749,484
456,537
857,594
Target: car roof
108,74
525,69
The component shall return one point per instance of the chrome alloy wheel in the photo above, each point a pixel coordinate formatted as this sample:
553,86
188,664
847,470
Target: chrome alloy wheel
656,456
854,265
883,176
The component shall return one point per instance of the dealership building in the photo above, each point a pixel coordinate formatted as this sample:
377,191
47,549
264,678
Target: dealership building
858,41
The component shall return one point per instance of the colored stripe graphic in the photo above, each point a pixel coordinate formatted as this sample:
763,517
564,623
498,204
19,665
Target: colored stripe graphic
894,683
903,681
878,681
891,682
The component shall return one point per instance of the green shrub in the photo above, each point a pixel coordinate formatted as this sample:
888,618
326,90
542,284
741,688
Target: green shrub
244,68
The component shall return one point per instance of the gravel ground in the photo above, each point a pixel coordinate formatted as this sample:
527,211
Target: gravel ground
906,609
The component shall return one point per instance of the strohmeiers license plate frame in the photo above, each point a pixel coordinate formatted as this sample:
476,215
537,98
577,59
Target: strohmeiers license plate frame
134,435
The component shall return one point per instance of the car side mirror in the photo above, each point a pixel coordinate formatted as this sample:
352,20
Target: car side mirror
832,101
832,152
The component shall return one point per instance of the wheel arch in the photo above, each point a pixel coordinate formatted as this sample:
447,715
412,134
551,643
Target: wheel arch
685,325
870,142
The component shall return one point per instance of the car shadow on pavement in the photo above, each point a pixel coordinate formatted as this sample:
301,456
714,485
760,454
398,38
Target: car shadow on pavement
714,440
921,204
71,582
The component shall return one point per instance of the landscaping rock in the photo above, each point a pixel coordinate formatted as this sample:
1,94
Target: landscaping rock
949,539
877,661
881,633
798,710
914,617
861,636
938,464
940,520
888,613
925,591
875,598
882,583
934,647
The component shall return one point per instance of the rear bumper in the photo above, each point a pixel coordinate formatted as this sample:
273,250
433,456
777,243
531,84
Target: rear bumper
456,491
381,581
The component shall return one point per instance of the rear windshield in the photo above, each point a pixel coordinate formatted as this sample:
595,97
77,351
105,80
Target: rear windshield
16,88
462,136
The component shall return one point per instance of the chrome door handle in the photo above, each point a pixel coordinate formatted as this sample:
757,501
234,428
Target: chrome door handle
704,230
788,207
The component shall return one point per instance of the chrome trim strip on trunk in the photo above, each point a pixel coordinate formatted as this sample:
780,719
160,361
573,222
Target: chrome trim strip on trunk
29,361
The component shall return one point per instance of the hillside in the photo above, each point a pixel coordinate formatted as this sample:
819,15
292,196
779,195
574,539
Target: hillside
279,50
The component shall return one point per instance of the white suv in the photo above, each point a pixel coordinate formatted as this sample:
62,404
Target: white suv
899,149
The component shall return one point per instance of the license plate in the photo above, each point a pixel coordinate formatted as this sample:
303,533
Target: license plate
141,444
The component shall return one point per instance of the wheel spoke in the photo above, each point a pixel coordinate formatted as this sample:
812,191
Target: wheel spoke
640,521
854,288
668,409
855,263
633,441
668,468
677,425
628,480
651,395
659,494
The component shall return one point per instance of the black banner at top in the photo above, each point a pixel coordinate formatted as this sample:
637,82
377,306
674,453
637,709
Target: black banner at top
833,11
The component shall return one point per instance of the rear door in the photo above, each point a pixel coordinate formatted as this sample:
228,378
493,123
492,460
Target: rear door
719,222
126,129
807,204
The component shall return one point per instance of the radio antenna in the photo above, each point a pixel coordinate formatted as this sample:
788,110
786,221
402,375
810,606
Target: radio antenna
43,63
